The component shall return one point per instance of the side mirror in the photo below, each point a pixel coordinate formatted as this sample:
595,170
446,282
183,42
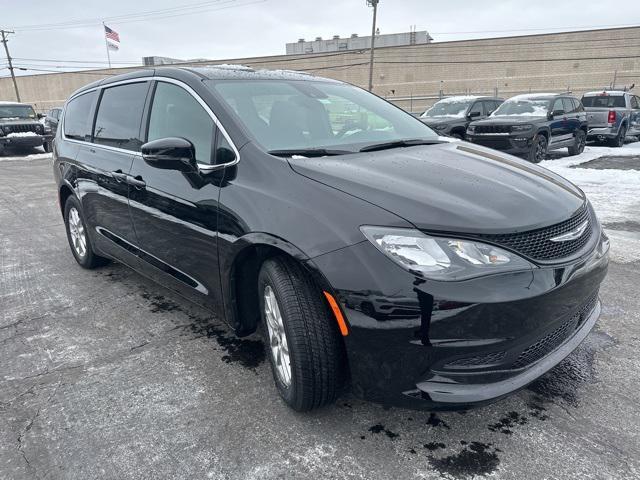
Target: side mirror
557,113
474,114
171,153
40,116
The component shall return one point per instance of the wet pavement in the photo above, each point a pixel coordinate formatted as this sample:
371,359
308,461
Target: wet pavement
107,375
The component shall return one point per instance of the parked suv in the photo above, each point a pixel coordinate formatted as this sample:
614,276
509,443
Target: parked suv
20,127
368,250
612,115
531,125
52,119
451,116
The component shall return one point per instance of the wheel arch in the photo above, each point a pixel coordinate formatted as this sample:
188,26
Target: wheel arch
239,277
545,132
64,193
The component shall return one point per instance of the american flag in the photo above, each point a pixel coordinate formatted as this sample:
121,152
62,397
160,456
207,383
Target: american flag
112,37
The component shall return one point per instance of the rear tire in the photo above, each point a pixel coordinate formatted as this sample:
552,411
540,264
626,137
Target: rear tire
618,141
538,150
78,238
304,345
581,141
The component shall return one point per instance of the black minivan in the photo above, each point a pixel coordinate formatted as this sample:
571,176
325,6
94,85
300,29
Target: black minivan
371,253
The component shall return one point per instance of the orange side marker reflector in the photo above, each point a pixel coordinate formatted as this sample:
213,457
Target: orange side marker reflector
338,314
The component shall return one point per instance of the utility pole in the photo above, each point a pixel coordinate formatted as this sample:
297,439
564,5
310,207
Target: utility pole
374,4
6,49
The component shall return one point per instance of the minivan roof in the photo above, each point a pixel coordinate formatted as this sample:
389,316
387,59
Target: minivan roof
209,72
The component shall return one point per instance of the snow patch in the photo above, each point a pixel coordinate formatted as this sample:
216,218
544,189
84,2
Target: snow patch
23,134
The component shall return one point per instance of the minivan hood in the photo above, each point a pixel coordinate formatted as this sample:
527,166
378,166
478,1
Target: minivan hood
451,187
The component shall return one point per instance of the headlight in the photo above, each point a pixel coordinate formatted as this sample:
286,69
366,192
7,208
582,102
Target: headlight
471,128
440,258
47,129
521,128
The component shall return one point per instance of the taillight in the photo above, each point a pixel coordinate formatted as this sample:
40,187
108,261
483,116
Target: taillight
612,116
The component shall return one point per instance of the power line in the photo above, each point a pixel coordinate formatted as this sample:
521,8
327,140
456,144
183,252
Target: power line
124,19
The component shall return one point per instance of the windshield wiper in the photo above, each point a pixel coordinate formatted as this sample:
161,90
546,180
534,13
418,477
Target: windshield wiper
309,152
398,144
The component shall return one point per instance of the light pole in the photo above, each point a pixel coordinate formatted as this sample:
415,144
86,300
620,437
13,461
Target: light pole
374,4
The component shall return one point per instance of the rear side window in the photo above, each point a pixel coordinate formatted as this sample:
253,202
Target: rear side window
175,113
119,116
604,101
77,121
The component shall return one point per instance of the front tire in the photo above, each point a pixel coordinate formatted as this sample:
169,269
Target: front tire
303,343
538,150
77,235
581,141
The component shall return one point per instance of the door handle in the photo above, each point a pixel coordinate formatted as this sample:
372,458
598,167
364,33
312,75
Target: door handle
136,182
119,176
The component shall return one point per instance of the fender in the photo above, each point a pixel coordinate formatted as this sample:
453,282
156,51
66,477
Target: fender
249,251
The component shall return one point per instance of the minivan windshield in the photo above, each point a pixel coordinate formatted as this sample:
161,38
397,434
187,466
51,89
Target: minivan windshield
524,106
17,111
448,108
288,115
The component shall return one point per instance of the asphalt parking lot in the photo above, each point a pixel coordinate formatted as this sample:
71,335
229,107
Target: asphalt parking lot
107,375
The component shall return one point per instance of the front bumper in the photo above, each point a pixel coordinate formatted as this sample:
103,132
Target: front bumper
447,345
513,144
30,141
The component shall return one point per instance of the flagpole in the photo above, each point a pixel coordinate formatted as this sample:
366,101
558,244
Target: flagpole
106,43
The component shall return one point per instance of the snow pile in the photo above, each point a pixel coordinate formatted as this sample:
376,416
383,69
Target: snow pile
613,193
22,134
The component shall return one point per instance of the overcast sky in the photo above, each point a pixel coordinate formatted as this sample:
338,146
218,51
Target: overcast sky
241,28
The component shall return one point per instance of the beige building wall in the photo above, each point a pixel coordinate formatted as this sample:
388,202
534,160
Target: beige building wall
415,76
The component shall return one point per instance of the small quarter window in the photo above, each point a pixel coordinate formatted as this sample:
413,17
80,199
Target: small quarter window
224,151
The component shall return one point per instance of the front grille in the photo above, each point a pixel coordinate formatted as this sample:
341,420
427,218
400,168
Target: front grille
485,360
556,338
488,129
536,244
495,143
22,128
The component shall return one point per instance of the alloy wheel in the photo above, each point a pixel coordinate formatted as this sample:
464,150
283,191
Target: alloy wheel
77,232
277,336
581,141
541,149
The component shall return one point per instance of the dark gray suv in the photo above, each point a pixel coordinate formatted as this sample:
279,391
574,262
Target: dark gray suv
530,125
451,116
